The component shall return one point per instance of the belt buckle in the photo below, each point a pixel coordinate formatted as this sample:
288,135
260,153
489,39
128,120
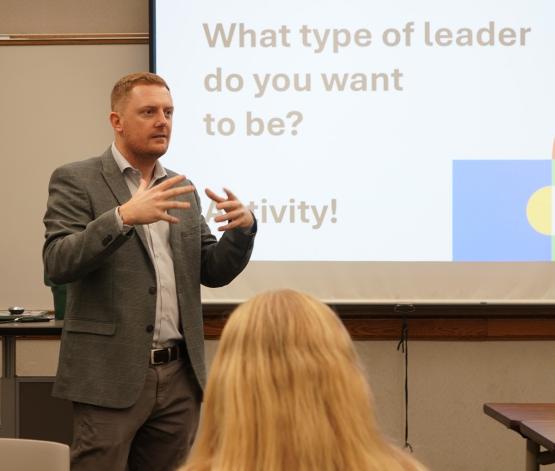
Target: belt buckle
153,351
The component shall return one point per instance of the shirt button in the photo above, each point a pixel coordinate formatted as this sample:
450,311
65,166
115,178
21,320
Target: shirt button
107,240
149,328
152,290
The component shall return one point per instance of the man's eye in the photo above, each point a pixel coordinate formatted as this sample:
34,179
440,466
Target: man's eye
169,113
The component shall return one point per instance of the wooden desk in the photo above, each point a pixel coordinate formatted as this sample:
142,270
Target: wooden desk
541,431
535,422
8,397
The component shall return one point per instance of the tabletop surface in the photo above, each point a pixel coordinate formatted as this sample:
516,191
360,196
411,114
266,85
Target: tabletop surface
512,414
51,327
540,431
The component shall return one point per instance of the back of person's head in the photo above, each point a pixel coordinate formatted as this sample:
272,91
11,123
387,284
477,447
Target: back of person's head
124,85
286,392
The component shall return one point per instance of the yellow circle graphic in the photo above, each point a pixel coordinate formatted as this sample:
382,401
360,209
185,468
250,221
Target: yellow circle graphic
539,209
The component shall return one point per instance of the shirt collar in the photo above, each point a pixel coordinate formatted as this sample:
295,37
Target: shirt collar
123,164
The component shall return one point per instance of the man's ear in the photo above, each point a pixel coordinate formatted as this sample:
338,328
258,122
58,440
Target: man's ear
115,121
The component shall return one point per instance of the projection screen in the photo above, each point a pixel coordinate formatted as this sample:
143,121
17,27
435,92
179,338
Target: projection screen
392,151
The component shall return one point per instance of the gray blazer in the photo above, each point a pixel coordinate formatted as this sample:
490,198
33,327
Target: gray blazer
111,281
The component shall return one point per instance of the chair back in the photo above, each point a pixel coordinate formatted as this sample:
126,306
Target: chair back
18,454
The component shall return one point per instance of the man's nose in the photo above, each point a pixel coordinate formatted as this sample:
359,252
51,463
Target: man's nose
161,119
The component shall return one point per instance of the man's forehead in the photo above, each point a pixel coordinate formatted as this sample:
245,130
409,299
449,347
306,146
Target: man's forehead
158,94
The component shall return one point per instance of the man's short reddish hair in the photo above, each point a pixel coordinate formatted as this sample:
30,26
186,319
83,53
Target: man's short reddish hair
125,84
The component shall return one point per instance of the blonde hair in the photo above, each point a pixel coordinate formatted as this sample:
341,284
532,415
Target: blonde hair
124,85
286,393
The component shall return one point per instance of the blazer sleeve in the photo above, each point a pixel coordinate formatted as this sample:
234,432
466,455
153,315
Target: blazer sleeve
223,260
77,241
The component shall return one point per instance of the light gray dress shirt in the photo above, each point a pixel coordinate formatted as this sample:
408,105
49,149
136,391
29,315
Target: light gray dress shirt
167,330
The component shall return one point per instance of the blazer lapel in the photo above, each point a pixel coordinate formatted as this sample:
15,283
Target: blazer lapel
115,181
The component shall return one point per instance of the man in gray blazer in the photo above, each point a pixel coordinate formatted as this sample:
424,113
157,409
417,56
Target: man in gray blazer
128,238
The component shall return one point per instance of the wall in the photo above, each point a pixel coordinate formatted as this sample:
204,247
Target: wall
56,105
73,16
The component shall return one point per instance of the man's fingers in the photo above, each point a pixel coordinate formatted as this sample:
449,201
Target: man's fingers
229,216
231,225
174,205
220,199
162,215
169,182
167,217
228,205
213,196
180,190
230,194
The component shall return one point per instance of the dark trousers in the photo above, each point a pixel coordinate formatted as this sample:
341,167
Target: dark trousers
155,434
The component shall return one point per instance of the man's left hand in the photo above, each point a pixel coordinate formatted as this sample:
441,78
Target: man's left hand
235,212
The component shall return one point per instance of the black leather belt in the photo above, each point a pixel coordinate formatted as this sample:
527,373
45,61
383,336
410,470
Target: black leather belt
159,356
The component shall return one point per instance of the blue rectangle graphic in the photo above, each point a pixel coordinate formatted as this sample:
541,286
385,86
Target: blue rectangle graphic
490,199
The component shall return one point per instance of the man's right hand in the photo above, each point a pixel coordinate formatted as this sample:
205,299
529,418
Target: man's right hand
148,206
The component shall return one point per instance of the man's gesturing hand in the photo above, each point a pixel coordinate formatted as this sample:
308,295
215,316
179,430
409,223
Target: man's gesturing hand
148,206
236,214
